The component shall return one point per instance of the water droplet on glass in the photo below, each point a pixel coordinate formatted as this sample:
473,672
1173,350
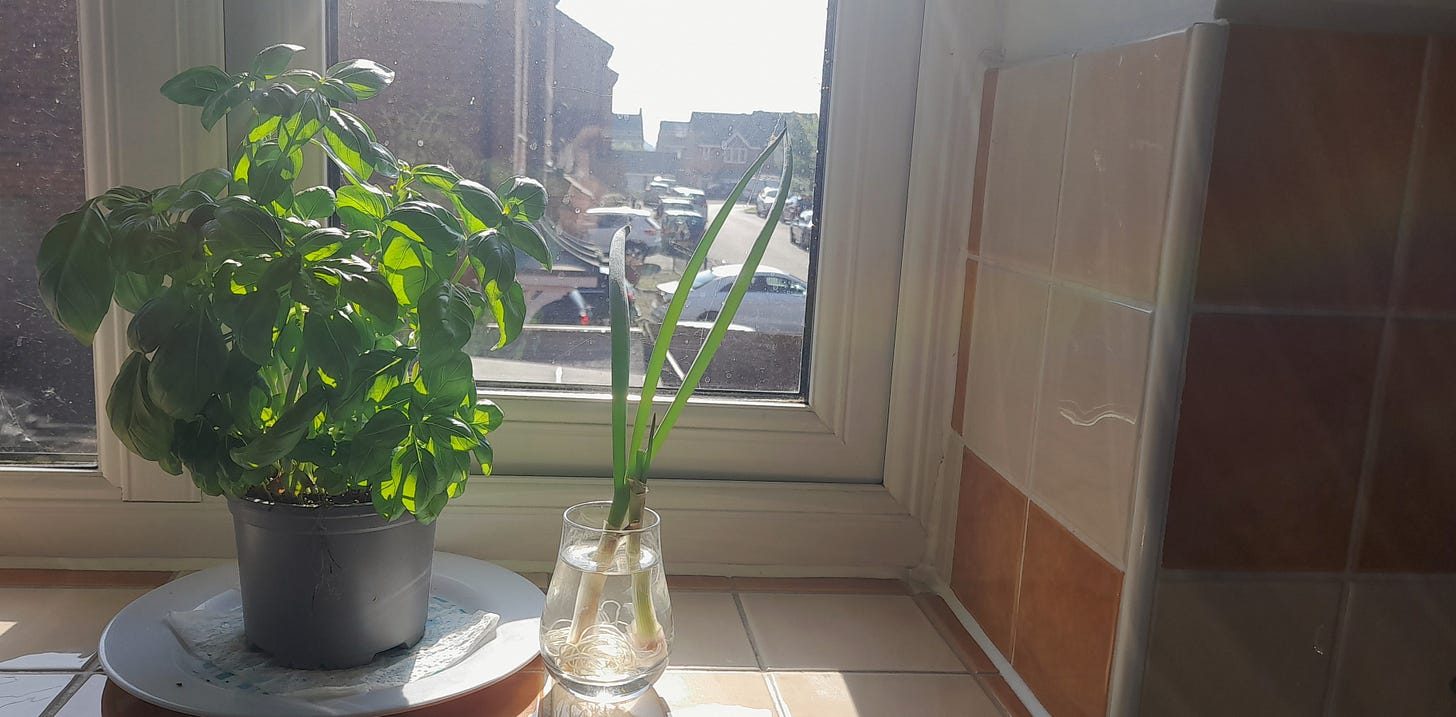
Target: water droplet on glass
419,143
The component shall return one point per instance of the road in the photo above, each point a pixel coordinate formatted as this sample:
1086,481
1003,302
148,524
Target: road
738,234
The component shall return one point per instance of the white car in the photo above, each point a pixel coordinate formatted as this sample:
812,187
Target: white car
766,198
603,222
775,302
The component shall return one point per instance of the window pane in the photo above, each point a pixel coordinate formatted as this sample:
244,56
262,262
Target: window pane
47,404
642,113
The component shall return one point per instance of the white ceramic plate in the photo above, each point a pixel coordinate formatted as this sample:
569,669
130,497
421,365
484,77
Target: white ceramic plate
142,656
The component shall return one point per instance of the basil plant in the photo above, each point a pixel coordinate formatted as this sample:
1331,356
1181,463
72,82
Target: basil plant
277,353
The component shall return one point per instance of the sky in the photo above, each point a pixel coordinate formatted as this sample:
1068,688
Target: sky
675,57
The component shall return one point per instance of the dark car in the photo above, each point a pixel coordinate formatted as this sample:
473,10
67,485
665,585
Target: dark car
801,230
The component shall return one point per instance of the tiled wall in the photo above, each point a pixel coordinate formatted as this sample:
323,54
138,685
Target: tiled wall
1309,560
1070,204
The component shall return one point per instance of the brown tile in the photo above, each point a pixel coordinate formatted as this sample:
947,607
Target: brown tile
986,565
1269,444
1411,523
32,578
1247,648
997,687
1005,369
963,350
1065,619
832,694
1310,154
1119,163
945,621
1399,649
717,583
1024,169
845,632
1084,455
56,628
983,157
821,586
1428,284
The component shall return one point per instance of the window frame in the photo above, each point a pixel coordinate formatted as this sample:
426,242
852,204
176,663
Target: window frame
781,524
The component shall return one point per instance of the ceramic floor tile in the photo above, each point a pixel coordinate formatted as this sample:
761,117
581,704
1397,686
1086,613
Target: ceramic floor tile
832,694
87,700
56,629
679,694
863,586
708,632
845,632
28,695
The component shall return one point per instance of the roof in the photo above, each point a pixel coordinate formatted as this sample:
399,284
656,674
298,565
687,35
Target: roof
718,127
627,128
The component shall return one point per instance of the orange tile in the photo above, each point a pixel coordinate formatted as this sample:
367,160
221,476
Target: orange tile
32,578
850,586
986,565
983,156
1000,691
699,582
950,628
1310,158
1270,439
1428,284
1066,618
1119,163
1411,524
963,352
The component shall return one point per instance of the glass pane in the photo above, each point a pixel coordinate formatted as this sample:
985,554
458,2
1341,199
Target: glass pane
632,112
47,404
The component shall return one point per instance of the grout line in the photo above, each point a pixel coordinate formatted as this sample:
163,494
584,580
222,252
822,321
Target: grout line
781,706
77,682
743,619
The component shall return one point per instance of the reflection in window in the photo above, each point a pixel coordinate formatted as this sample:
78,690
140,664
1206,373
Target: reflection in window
47,403
638,113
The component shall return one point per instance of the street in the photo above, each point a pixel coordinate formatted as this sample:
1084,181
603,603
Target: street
738,234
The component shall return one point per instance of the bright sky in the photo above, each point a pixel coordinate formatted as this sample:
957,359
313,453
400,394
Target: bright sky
680,56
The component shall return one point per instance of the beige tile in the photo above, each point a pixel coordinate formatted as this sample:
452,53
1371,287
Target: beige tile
716,694
1119,159
1399,649
39,578
708,632
831,694
1248,648
1085,452
55,628
28,695
1006,346
540,580
699,582
1024,170
845,632
877,586
87,700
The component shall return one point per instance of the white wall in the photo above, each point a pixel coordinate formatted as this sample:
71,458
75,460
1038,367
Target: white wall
1042,28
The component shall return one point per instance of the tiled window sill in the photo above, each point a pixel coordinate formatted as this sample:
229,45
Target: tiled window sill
762,647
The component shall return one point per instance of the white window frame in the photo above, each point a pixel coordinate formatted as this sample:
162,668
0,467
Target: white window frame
872,522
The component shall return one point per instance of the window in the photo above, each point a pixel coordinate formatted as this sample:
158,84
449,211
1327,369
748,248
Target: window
47,404
577,95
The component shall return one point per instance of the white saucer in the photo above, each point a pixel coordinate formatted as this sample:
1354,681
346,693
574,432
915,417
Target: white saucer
141,655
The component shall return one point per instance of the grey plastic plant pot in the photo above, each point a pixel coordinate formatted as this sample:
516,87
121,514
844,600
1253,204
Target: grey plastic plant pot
330,587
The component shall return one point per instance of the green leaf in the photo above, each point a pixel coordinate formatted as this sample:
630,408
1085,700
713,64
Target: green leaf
247,225
436,175
211,182
450,431
527,238
282,436
331,342
75,277
135,419
479,202
156,320
374,443
273,60
429,224
508,306
447,380
257,317
162,250
314,203
275,101
525,198
346,141
195,86
486,455
496,257
134,290
365,77
187,368
305,122
360,283
486,417
406,270
362,206
265,128
225,101
320,244
445,321
337,90
268,171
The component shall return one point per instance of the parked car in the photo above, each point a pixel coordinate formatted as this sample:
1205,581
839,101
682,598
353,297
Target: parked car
696,196
672,203
579,307
603,222
801,230
766,199
655,191
775,302
683,228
